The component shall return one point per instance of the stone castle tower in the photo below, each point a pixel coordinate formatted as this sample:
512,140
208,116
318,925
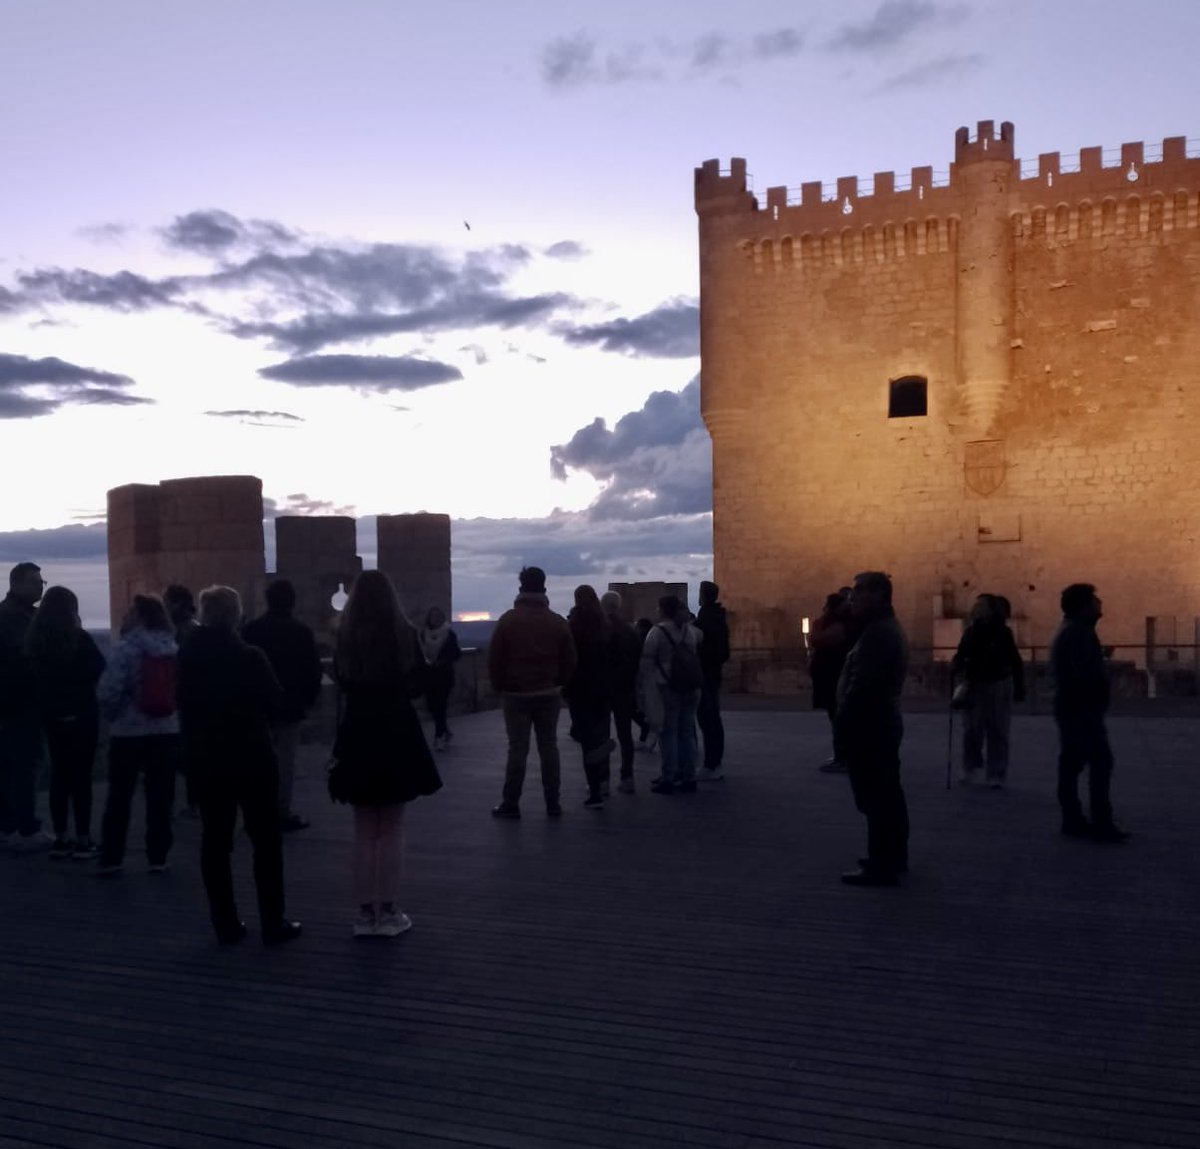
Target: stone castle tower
987,382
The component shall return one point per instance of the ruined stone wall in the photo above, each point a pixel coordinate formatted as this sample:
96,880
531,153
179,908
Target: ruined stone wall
1053,317
318,555
196,531
414,551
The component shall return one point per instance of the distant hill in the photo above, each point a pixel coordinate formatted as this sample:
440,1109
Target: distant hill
474,633
477,634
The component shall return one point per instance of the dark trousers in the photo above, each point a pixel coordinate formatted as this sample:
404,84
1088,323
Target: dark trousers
875,780
256,792
22,744
623,715
437,698
590,727
72,746
539,712
708,716
154,757
1083,744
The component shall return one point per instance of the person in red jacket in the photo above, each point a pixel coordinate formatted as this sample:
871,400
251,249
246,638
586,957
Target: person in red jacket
530,659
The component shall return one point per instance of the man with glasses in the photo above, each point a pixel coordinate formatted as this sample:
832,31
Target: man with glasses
21,740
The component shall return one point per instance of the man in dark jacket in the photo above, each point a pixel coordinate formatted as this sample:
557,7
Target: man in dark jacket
291,649
1080,702
531,657
21,739
228,694
869,729
714,653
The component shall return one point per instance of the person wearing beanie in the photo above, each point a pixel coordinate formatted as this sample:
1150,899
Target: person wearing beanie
531,657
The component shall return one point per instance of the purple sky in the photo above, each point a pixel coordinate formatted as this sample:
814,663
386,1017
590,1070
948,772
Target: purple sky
234,240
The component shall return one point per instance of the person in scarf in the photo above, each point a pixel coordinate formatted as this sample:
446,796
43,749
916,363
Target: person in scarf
439,645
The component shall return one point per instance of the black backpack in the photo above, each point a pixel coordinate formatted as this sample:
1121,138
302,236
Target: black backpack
683,672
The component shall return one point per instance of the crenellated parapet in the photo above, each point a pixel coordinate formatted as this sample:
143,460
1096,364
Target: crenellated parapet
1134,190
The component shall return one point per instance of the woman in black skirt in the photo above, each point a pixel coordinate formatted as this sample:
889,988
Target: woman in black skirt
381,758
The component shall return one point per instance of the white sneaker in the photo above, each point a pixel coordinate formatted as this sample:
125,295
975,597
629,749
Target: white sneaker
392,923
364,924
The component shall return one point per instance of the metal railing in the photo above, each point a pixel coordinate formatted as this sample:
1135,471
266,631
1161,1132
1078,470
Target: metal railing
1144,678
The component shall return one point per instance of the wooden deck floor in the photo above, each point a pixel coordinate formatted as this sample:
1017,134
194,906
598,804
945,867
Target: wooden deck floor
670,972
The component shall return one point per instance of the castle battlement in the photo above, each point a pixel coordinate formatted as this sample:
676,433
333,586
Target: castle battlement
886,200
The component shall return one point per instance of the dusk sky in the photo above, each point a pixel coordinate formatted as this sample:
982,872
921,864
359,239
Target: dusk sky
394,257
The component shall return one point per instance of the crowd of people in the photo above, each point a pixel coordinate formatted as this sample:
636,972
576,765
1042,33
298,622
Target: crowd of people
196,691
664,675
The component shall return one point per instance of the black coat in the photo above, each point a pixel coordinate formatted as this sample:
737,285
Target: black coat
380,753
291,649
16,681
714,650
66,686
228,695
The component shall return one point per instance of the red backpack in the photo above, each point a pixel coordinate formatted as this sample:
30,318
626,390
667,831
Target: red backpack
156,685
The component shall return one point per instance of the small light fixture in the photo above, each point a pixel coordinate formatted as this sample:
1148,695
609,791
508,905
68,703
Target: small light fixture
805,624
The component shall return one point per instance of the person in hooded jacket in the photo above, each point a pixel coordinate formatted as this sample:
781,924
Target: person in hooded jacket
136,694
228,696
439,645
66,665
714,653
291,649
589,692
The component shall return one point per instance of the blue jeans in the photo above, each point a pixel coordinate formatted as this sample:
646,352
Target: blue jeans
677,744
22,746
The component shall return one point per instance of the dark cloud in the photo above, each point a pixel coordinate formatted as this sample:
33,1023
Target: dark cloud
54,383
456,311
777,45
893,22
108,397
20,371
105,233
255,415
671,331
122,291
572,62
569,61
569,544
71,542
371,372
656,461
304,300
566,249
942,70
303,504
710,51
214,232
15,405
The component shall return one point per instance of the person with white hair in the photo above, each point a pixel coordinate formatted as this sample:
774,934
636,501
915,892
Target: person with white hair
228,695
